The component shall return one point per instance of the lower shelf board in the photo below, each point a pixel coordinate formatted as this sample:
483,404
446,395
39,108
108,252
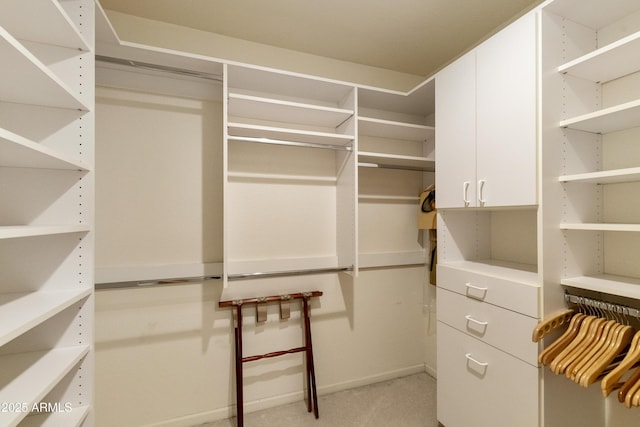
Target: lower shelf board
68,418
607,283
22,311
26,378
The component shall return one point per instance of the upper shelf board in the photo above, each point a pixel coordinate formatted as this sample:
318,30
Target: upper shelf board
47,22
594,14
394,130
607,283
397,161
28,81
607,63
276,110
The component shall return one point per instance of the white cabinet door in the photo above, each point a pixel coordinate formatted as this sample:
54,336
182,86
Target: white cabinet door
481,386
456,133
506,116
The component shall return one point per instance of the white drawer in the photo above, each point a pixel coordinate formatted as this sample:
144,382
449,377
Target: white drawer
516,296
481,386
505,329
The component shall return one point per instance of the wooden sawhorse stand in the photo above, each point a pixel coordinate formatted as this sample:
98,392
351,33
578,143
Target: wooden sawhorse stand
228,299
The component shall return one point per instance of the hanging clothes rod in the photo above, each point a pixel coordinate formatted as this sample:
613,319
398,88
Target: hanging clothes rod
155,282
163,68
265,275
289,143
383,166
602,305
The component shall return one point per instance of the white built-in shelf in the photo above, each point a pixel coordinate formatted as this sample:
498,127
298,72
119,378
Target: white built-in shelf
615,285
600,227
278,110
28,377
288,134
618,117
387,198
610,62
522,273
604,177
391,259
16,151
26,71
22,311
393,129
48,23
396,160
19,231
72,418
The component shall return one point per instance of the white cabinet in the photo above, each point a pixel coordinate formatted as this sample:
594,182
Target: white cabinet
46,212
486,122
487,195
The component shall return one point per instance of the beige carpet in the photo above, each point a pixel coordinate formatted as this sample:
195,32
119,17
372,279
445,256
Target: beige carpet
403,402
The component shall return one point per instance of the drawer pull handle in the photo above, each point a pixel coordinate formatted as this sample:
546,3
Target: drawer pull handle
477,322
477,288
477,362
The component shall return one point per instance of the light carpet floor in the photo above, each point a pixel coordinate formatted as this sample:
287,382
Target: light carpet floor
402,402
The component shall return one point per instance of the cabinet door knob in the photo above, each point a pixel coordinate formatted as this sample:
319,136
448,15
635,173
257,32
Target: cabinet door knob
481,191
465,192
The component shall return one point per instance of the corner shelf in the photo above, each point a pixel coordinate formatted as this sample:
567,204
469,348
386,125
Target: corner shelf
37,374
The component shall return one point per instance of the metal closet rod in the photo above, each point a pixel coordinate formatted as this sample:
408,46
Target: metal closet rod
287,273
289,143
404,168
156,67
155,282
602,305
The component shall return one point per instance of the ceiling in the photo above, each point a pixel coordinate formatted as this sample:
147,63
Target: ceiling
410,36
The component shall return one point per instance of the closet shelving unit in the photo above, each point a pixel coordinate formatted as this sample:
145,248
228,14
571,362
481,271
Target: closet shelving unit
272,180
599,176
396,159
46,154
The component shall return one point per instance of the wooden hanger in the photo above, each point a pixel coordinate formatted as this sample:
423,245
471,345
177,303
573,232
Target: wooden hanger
551,352
548,325
624,335
604,336
596,330
610,381
628,385
592,327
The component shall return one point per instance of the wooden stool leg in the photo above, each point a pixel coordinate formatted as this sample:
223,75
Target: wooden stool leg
311,374
238,339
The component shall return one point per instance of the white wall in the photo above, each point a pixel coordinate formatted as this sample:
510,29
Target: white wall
164,354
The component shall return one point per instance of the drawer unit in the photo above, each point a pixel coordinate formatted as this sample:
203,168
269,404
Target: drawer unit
505,329
481,386
517,296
